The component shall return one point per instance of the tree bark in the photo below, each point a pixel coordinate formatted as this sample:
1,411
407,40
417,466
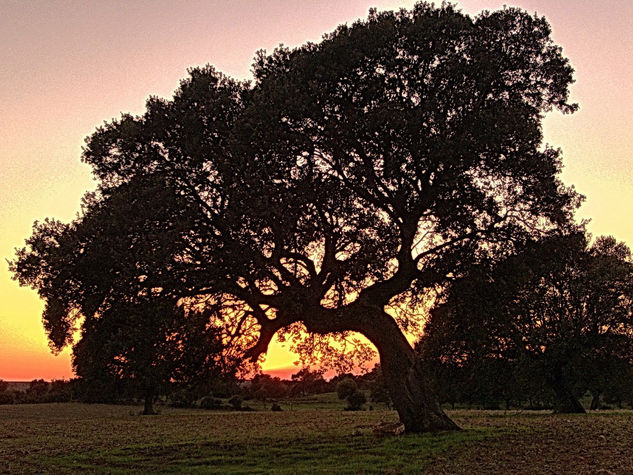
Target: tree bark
148,408
566,402
412,397
595,401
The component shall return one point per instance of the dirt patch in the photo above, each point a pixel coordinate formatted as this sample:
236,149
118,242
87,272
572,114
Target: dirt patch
600,442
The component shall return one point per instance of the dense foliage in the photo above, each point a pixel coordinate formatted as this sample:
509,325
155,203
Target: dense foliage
555,318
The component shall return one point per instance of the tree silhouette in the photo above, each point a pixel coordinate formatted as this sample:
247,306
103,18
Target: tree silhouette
115,267
355,175
559,307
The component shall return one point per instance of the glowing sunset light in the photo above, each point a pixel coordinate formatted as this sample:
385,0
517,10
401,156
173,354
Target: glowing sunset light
68,66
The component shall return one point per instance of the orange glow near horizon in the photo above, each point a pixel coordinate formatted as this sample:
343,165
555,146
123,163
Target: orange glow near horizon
68,66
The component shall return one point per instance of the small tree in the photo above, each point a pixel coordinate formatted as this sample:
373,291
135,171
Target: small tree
266,387
356,400
346,387
138,330
308,381
378,390
60,391
619,389
37,389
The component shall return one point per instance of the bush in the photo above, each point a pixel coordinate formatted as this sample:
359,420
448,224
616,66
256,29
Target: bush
380,394
182,399
346,387
101,390
209,402
60,391
236,402
19,397
7,397
264,387
356,400
37,391
223,387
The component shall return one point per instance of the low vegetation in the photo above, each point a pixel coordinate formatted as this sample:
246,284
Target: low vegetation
74,437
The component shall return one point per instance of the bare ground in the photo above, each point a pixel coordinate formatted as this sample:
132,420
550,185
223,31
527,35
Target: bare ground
599,442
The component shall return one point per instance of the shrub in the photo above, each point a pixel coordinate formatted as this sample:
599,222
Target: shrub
223,387
19,397
209,402
37,391
7,397
356,400
60,391
380,394
346,387
182,399
236,402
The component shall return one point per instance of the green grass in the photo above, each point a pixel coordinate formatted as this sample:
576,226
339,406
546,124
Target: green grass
282,454
327,401
76,437
68,438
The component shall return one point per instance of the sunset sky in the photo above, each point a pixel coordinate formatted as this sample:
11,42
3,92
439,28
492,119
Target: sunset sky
66,66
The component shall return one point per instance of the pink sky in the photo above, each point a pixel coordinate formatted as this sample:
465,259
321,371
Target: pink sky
67,66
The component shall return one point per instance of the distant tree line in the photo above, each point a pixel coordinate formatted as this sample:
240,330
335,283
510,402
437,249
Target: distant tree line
213,393
37,391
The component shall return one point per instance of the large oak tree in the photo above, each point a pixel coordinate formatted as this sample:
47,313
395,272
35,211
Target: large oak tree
356,174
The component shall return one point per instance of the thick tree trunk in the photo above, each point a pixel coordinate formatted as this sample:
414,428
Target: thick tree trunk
408,385
416,403
148,408
566,402
595,401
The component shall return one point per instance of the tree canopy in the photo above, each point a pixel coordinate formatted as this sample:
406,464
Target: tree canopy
115,268
560,308
352,175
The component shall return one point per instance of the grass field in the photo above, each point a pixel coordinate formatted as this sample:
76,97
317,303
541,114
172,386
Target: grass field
71,437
